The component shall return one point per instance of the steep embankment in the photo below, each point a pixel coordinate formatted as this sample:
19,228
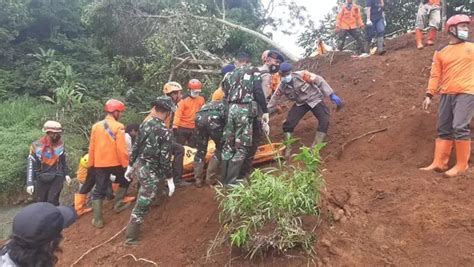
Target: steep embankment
378,210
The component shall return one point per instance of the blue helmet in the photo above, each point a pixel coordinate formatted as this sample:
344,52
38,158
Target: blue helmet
227,68
285,67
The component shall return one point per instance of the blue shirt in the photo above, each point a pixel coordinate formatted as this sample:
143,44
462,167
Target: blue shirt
376,9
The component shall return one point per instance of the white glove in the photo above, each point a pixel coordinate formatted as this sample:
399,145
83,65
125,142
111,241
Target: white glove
128,173
68,180
265,118
369,22
112,178
426,103
30,189
170,186
266,128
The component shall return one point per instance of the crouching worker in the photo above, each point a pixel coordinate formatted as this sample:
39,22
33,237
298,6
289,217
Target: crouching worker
47,168
151,161
210,122
86,183
308,91
36,235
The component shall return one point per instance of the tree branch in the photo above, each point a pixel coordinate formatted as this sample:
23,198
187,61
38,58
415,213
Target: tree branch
183,61
203,71
194,57
200,62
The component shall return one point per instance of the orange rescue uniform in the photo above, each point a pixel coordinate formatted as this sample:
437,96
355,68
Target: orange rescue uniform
186,112
349,19
108,147
452,71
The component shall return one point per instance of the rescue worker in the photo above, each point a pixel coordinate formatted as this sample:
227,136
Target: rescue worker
108,155
47,168
308,91
174,90
452,77
82,173
376,20
186,114
219,93
349,21
151,161
429,15
210,122
244,95
272,60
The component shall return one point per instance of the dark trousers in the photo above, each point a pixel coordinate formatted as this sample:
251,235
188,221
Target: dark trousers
103,183
49,192
256,140
177,151
356,34
89,183
185,136
320,111
454,116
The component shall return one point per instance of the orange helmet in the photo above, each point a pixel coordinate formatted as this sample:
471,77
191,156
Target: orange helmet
170,87
457,19
114,105
265,55
194,84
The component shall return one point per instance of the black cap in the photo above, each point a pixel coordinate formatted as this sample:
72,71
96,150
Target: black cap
275,55
285,67
241,56
41,222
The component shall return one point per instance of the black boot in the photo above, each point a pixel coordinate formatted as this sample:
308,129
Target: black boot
97,219
199,173
224,171
212,171
119,204
233,171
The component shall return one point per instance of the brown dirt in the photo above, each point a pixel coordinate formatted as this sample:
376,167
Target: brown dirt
378,208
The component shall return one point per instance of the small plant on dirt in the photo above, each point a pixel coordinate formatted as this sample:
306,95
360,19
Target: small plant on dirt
266,214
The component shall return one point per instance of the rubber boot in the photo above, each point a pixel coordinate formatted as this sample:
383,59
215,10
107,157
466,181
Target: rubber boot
463,151
441,156
199,173
431,36
131,235
224,171
212,171
119,204
97,220
234,171
288,146
80,204
419,38
380,46
318,138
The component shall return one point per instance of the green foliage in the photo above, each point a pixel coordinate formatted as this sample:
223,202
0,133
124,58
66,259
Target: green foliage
266,213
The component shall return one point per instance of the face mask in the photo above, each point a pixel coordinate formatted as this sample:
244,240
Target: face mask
274,68
286,79
463,35
194,93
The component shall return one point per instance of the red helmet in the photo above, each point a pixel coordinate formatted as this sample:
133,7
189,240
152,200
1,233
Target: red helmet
457,19
114,105
194,84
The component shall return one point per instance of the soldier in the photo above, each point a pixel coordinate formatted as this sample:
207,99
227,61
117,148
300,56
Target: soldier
244,95
151,158
210,122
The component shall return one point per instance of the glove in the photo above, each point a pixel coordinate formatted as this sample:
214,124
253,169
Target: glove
112,178
369,23
266,128
68,180
426,103
128,173
30,190
170,186
336,100
265,118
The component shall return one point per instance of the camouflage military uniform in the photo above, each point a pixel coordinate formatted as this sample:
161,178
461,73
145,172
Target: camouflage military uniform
151,159
244,94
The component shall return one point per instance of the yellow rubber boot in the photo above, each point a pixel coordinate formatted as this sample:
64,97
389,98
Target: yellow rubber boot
441,156
463,151
80,204
419,39
431,36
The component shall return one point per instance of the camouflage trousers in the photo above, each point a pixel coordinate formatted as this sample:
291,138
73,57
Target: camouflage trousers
238,132
203,134
149,181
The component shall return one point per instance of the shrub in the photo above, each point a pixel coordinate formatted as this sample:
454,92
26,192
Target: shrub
266,213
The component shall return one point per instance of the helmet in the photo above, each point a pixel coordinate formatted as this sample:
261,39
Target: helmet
170,87
194,84
217,95
265,55
457,19
276,55
52,126
228,68
84,162
164,102
114,105
285,67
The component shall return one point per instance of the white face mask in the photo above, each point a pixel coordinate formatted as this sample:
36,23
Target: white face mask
463,35
195,93
286,79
